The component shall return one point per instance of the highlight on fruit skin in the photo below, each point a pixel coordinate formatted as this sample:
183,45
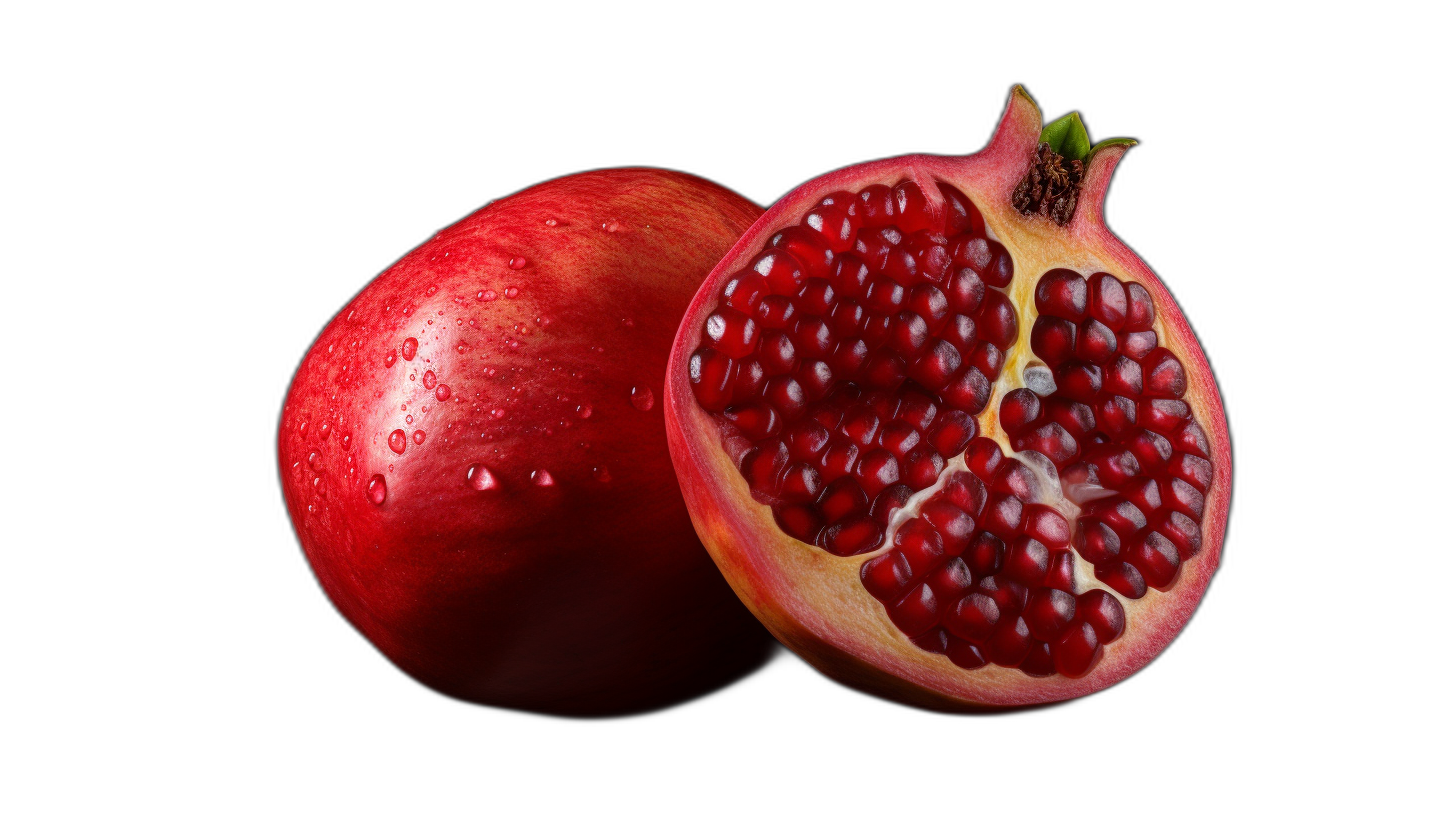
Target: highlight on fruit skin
950,439
473,454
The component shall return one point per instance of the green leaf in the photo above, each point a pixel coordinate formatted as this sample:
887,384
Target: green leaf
1068,137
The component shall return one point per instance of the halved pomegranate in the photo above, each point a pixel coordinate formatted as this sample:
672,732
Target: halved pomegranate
947,436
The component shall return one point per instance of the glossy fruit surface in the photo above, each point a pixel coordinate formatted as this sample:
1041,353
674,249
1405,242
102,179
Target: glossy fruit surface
946,435
473,455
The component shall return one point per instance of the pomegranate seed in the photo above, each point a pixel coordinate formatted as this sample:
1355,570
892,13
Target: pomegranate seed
780,271
916,612
950,432
951,579
1098,608
1027,561
1097,542
833,225
877,205
744,292
1124,579
1062,293
961,216
1038,662
1010,643
973,618
921,546
1139,308
967,492
1046,525
709,373
843,498
1156,558
852,536
886,576
1183,531
935,641
798,521
963,654
1095,342
986,554
893,498
1107,300
954,524
996,320
807,247
1061,575
1077,651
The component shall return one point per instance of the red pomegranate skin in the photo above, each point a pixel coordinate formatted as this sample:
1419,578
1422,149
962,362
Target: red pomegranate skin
473,453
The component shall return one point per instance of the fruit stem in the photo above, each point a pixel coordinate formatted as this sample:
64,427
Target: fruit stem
1067,137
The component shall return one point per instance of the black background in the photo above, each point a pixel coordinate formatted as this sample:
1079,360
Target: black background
355,172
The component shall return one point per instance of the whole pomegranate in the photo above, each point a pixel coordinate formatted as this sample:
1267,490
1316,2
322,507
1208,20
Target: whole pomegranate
950,439
473,453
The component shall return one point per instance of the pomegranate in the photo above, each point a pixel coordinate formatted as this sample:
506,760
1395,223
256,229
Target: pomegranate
948,437
473,455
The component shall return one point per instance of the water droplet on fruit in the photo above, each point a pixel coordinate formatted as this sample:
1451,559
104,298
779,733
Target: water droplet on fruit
408,349
642,398
611,226
396,441
461,348
517,262
602,474
512,291
429,381
442,392
419,437
628,322
315,460
324,430
541,478
480,477
344,442
551,222
485,295
498,413
584,410
377,489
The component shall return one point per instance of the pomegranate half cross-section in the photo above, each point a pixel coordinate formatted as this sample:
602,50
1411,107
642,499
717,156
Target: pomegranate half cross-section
948,437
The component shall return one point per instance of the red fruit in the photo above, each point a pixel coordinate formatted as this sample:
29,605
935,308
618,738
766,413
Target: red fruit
532,550
1073,418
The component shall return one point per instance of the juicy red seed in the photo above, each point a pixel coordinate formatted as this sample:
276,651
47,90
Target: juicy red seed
931,304
886,576
1156,558
969,392
1139,308
808,248
960,331
744,292
1053,339
1062,573
839,459
963,654
1027,561
1095,342
1046,525
911,208
877,205
950,432
1114,466
764,464
1163,416
1000,271
1194,470
861,425
749,380
876,471
1079,381
780,271
917,612
1015,478
1038,661
967,492
1009,595
756,421
1151,450
892,499
923,467
973,618
1062,293
954,524
986,554
909,334
899,437
1189,438
1107,300
850,358
1076,651
852,536
1124,579
709,374
917,409
1076,417
935,368
1137,344
988,359
799,521
974,253
1163,375
841,499
776,312
1183,531
1145,495
1019,408
921,545
801,482
731,332
1123,377
1119,514
786,395
965,291
1050,440
1098,608
885,369
1049,612
983,456
996,320
935,641
851,276
833,225
951,579
818,298
816,377
961,216
1010,643
1183,497
1097,542
1003,516
1116,415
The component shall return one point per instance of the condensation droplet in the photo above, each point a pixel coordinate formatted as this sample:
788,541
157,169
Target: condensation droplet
396,441
429,380
442,392
377,489
628,322
512,291
419,437
602,474
550,222
541,478
584,410
486,295
315,460
517,262
480,477
324,430
643,398
498,413
408,349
